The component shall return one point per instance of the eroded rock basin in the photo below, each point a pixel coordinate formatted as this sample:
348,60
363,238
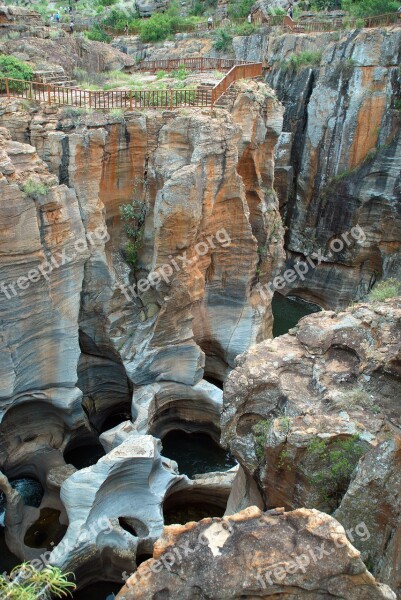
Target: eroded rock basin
196,453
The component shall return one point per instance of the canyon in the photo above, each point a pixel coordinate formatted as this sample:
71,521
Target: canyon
146,404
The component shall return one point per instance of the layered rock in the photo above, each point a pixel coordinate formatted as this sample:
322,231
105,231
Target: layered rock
119,514
68,52
301,411
255,555
206,180
339,158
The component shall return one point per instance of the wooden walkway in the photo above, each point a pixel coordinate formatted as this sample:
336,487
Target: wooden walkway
203,97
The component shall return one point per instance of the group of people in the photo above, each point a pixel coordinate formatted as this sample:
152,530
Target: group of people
56,17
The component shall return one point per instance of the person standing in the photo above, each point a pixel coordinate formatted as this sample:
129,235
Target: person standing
126,29
290,11
210,22
249,18
57,17
72,26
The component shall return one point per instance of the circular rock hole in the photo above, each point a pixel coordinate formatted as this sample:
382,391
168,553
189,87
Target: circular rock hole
134,526
29,489
115,419
185,505
140,558
47,531
83,452
196,453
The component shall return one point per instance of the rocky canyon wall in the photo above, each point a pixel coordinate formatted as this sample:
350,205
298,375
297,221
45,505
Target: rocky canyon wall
338,161
94,328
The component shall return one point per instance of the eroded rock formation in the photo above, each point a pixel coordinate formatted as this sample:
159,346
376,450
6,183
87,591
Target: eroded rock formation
255,555
338,160
102,332
302,411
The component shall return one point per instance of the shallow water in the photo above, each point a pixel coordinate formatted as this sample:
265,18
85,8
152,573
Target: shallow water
196,453
287,311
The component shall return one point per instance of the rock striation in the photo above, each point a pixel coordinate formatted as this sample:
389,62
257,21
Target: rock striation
102,332
338,159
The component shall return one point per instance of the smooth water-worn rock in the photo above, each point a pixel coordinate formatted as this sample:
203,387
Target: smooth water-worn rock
119,510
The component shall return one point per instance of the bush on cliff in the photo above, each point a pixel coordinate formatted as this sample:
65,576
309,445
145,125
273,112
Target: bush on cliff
222,40
369,7
307,58
15,69
388,288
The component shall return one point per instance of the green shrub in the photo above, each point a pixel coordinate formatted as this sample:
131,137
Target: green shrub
15,69
387,288
306,58
97,34
133,215
223,39
35,188
359,8
161,74
26,583
244,29
329,466
181,73
240,9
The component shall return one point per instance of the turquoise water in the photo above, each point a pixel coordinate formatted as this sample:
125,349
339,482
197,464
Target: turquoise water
288,311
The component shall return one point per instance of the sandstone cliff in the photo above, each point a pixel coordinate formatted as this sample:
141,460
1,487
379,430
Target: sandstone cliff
338,159
255,555
95,327
302,411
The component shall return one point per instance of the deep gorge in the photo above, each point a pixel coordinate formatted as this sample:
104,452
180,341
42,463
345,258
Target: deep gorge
167,383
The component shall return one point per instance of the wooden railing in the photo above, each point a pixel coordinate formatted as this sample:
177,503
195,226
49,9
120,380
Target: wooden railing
314,25
129,99
244,71
341,23
199,63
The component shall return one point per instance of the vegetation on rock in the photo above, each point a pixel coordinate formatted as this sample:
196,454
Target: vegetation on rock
26,583
133,215
12,67
388,288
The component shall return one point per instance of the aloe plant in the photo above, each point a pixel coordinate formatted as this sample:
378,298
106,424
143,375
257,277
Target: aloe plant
27,583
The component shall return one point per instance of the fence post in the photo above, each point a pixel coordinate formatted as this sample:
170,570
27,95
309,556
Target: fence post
130,99
90,99
7,88
171,99
48,94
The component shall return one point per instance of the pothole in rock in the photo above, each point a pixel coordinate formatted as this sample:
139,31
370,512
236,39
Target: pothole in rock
196,453
288,310
115,419
83,452
47,531
103,590
185,505
29,489
134,526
